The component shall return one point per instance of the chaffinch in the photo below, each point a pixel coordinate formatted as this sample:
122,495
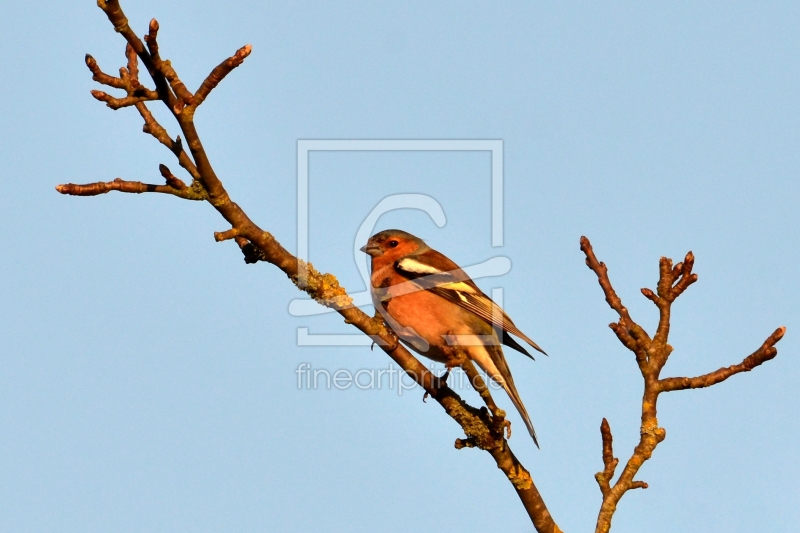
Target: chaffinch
433,305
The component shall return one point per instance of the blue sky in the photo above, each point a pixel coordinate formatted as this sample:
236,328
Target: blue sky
148,376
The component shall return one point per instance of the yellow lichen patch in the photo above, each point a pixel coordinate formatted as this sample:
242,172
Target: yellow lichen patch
195,191
473,426
324,288
520,478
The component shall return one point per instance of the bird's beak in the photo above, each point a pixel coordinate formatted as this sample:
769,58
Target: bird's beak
371,249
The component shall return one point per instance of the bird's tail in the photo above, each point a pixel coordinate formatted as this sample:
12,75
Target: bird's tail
490,358
508,385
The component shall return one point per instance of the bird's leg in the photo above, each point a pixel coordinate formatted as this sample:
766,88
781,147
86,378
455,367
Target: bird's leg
379,316
498,415
477,382
454,358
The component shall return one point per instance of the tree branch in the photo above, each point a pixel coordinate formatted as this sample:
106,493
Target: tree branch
764,353
118,19
117,103
629,332
219,73
609,461
258,245
184,97
136,187
651,356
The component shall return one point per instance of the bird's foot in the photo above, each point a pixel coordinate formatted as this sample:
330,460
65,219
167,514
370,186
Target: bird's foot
395,342
507,427
500,423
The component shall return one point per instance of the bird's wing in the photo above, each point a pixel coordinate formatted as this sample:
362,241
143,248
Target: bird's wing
436,273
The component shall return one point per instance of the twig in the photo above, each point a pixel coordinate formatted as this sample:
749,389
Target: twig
117,103
101,77
184,97
115,15
764,353
609,461
219,73
136,187
172,181
220,236
152,127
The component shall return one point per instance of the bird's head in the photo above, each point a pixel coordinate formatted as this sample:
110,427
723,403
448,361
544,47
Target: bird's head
392,244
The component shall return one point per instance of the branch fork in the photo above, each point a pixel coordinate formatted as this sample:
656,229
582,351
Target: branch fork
651,355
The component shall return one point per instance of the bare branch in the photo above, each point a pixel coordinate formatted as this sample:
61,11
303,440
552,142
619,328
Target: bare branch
137,187
220,236
609,461
115,15
764,353
184,97
151,39
601,271
652,355
127,81
101,77
219,72
629,332
465,443
672,282
172,181
650,295
625,338
116,103
133,63
155,129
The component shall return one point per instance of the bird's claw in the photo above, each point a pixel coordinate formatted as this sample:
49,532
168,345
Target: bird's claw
395,340
501,424
507,427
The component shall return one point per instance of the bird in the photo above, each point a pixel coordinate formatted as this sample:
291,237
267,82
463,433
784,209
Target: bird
431,303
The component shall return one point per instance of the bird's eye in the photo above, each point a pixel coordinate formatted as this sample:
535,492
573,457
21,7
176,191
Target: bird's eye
393,244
